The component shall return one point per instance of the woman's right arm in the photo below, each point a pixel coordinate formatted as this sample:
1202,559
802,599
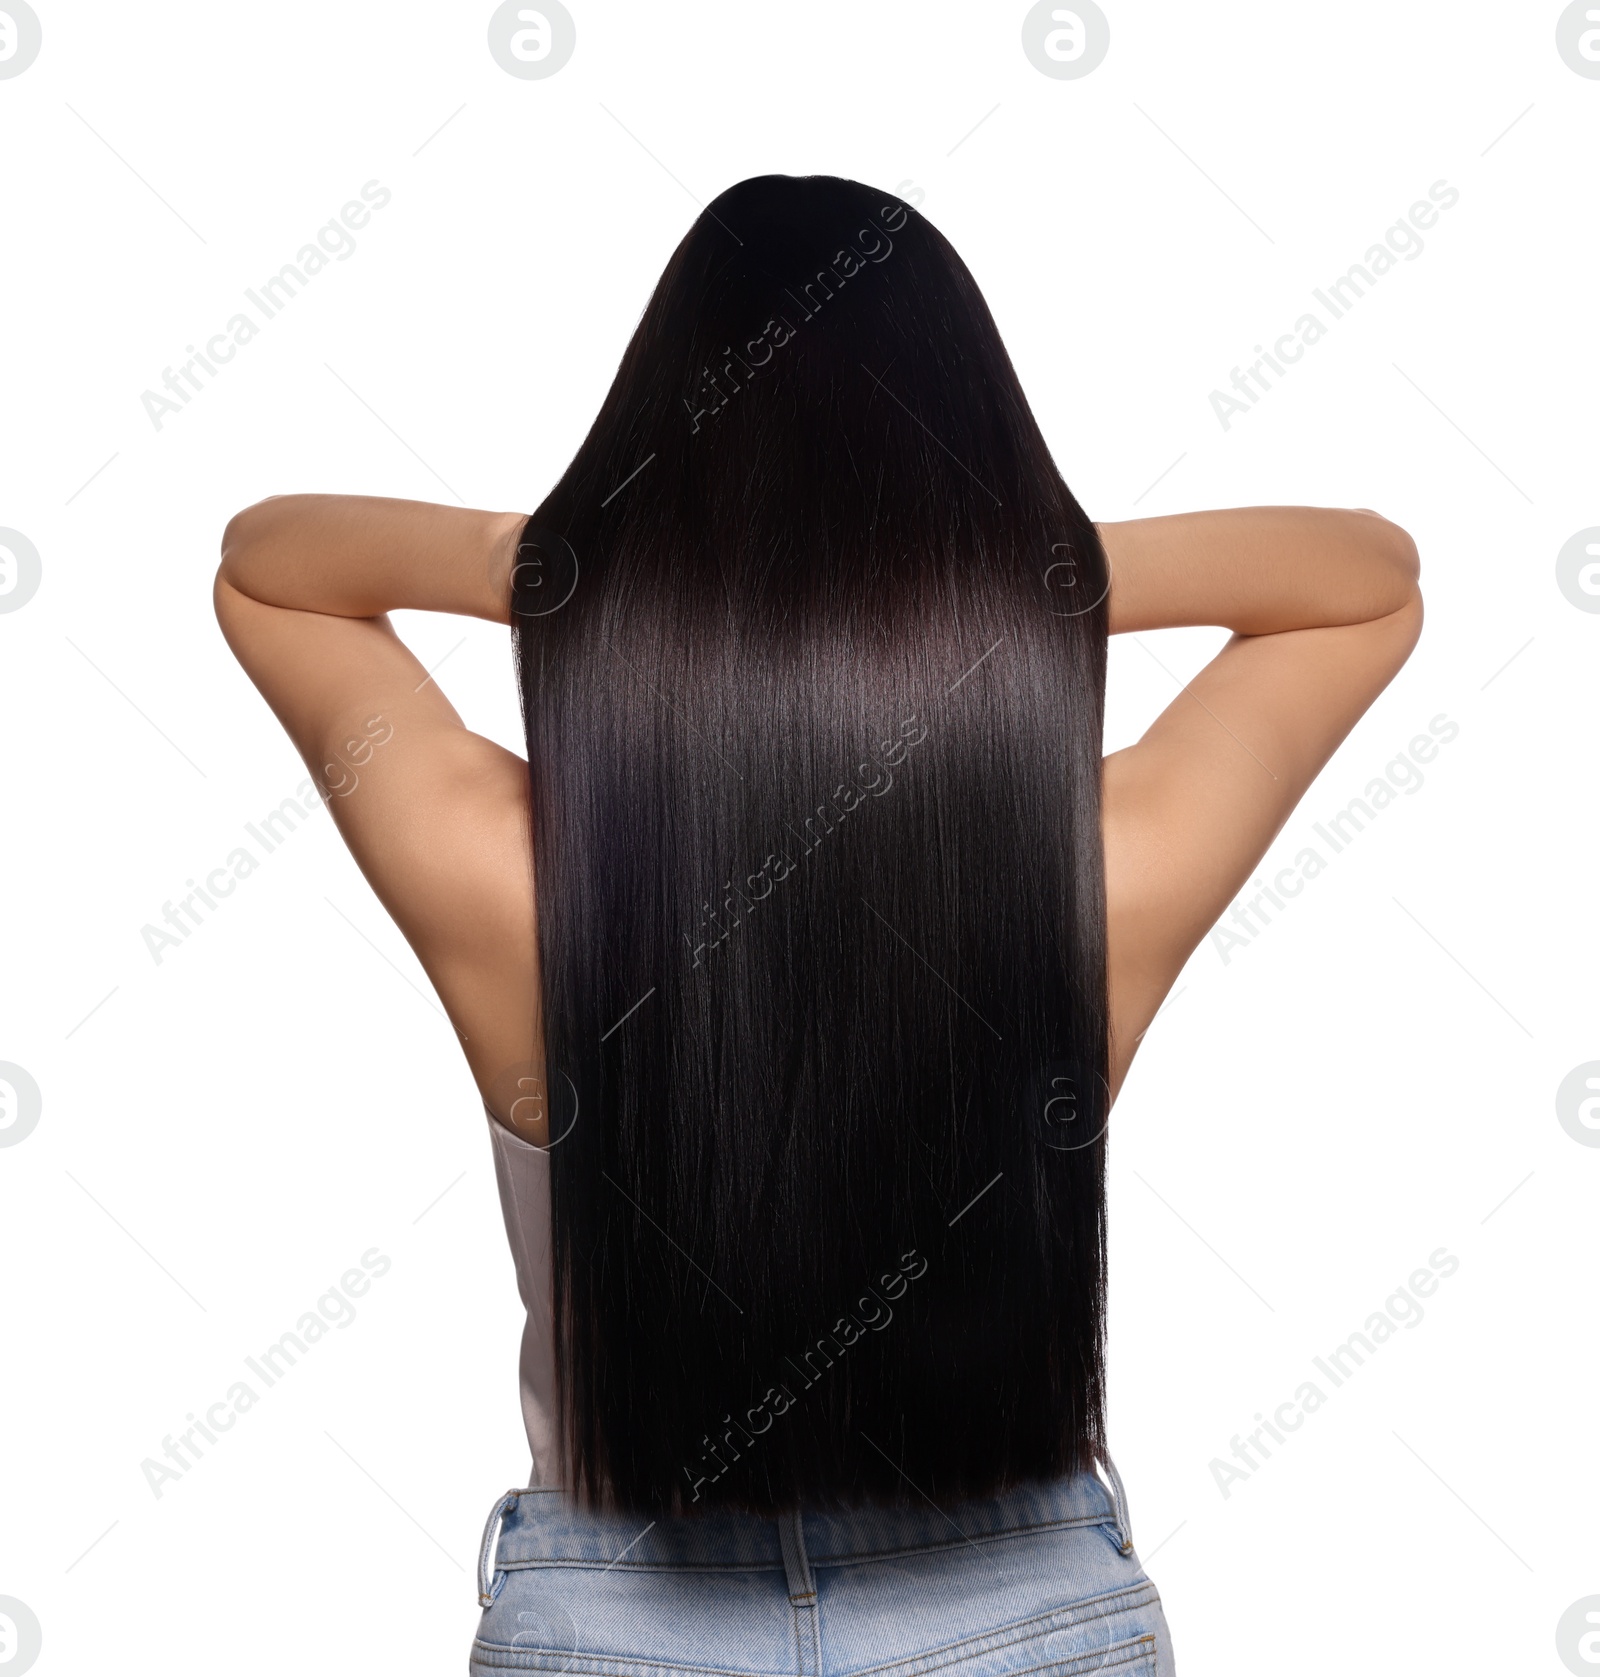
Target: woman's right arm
1325,608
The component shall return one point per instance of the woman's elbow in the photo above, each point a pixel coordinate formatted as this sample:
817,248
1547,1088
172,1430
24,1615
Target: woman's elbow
251,524
1398,546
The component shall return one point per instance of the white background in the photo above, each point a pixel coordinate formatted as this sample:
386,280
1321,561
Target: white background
225,1132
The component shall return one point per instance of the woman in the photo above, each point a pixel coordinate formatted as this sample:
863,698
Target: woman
800,963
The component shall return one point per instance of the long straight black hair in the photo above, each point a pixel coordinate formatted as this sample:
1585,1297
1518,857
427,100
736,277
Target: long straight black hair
811,642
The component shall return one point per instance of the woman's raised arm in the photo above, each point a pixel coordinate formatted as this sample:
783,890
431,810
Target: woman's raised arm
1258,570
1325,609
434,814
362,555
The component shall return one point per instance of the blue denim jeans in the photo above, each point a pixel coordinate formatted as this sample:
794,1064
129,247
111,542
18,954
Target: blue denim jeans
1042,1580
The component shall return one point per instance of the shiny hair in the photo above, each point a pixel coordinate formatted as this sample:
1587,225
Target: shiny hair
811,641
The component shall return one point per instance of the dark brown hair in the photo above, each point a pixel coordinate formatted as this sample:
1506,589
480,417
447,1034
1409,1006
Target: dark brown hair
811,641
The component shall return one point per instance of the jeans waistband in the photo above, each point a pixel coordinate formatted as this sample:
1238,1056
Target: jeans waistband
541,1526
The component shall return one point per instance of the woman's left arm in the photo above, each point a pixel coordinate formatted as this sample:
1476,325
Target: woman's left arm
434,814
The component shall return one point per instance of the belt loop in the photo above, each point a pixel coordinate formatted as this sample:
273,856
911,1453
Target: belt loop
802,1593
1119,1502
490,1532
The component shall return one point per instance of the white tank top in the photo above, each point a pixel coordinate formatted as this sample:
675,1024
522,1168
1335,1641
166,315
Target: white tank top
523,1172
